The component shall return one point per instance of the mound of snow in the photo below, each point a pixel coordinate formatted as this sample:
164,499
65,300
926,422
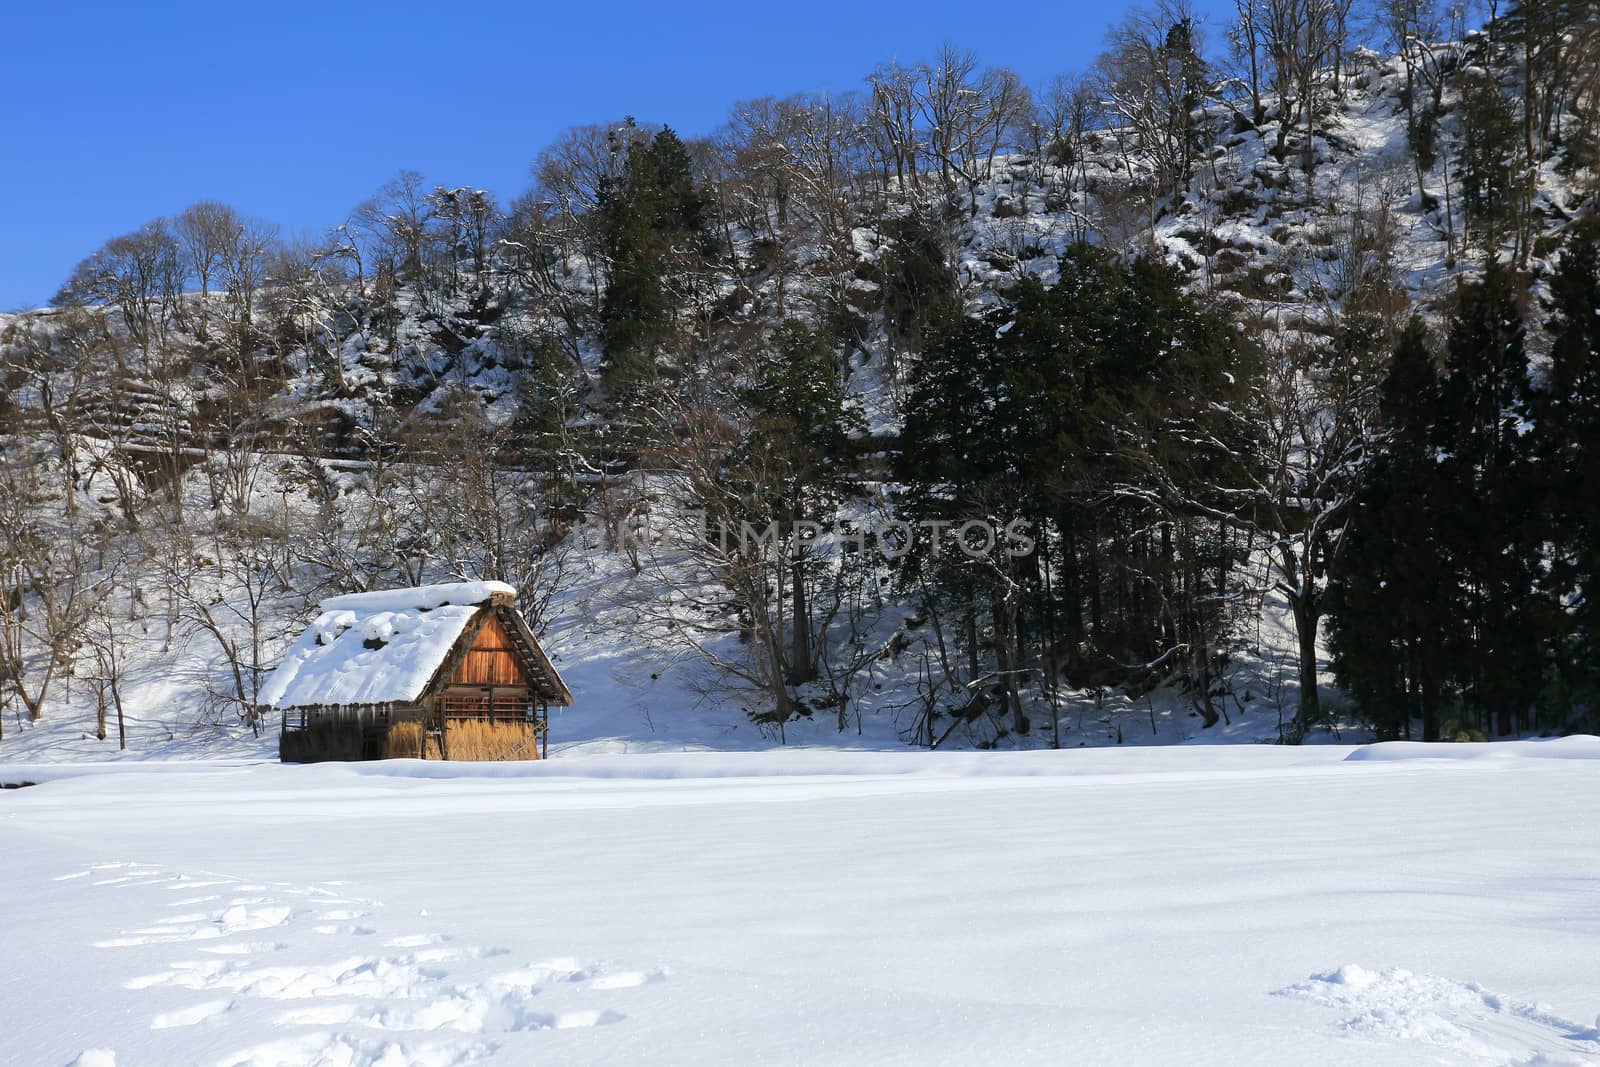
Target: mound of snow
1579,746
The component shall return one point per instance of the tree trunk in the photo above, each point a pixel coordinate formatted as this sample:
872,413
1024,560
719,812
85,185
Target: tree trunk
802,668
973,670
122,726
1306,618
1003,626
1071,598
783,704
1430,707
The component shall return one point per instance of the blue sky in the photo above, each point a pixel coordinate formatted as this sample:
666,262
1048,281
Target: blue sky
115,113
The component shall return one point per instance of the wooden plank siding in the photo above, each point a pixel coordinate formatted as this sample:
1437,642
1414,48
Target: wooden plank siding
492,660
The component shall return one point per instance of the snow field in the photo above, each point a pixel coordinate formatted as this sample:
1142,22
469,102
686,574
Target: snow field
1247,904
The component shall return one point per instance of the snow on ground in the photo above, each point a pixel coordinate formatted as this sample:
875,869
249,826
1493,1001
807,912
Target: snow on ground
1227,905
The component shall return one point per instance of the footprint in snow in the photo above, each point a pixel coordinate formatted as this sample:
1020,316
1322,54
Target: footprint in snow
628,979
203,926
416,940
399,993
1484,1026
503,1003
318,1050
191,1016
383,978
244,948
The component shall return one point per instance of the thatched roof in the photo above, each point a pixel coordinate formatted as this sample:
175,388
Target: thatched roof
392,647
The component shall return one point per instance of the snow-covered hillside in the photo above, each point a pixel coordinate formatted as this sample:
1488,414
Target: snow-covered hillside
1166,906
344,425
633,694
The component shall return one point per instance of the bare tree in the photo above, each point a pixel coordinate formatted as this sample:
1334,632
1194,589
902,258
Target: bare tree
247,251
707,531
1414,29
1156,85
398,218
481,517
204,231
470,220
969,116
106,644
46,577
1246,40
950,109
1302,41
894,127
1307,431
138,274
230,582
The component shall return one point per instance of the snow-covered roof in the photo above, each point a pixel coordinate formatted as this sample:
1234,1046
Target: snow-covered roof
420,598
376,648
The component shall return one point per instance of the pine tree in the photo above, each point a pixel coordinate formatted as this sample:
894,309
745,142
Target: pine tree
1097,410
1568,453
801,420
964,451
1390,598
1436,606
1491,193
961,428
1190,81
543,438
1493,525
798,450
656,234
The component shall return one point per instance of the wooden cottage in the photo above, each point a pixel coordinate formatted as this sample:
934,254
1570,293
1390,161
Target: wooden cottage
438,672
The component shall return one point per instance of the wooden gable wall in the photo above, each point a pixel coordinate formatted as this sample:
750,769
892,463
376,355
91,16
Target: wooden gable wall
492,659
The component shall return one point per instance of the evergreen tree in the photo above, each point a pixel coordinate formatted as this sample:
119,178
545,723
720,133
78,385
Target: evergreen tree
1491,192
801,421
1568,452
1436,605
1096,410
544,438
1390,597
1493,527
965,453
916,276
1190,81
798,452
962,421
656,235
